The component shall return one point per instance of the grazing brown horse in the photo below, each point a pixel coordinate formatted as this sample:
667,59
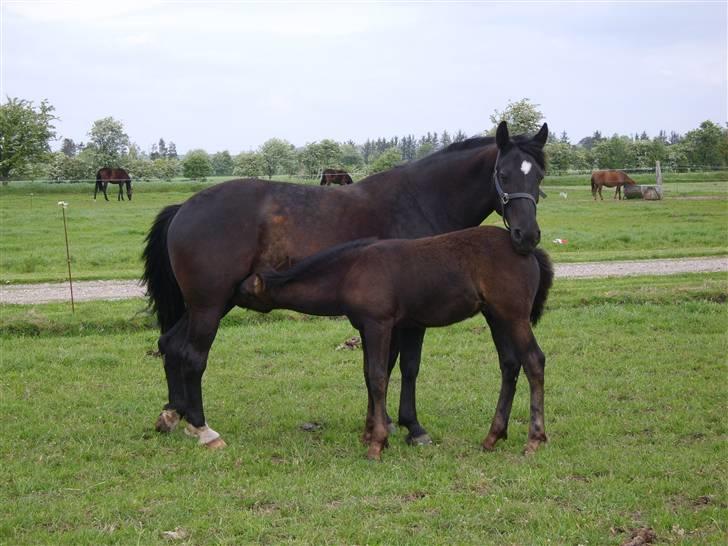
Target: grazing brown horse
610,179
198,253
107,176
335,176
434,281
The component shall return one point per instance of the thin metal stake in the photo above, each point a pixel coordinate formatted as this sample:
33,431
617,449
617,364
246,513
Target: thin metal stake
63,206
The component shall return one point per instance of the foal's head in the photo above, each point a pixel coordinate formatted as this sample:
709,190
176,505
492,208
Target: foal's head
518,173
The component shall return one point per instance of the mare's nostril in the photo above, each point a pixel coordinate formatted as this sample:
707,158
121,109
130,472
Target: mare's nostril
517,235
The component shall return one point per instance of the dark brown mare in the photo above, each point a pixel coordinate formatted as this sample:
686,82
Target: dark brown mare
610,179
423,283
198,253
335,176
107,176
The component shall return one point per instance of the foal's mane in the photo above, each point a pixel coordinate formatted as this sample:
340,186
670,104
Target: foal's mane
312,265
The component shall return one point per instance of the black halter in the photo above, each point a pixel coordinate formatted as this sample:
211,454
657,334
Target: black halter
505,197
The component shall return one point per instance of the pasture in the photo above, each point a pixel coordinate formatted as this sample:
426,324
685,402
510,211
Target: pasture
635,413
635,399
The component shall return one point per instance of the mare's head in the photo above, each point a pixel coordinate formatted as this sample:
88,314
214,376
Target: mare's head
517,176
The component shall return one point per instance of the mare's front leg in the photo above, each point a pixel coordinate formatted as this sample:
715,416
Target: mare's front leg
376,338
105,187
410,342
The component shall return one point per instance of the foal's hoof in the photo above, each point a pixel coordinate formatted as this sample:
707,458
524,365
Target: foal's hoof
167,421
532,446
374,453
421,440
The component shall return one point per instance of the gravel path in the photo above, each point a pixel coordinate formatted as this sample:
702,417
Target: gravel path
119,290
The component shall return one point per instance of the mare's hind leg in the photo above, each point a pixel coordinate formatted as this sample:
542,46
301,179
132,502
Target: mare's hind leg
186,347
104,187
121,193
170,346
409,362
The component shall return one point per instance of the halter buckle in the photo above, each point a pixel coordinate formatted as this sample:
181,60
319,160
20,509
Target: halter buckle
505,198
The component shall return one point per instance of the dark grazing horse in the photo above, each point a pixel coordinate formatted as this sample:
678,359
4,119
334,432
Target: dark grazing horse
107,176
433,281
198,253
335,176
610,179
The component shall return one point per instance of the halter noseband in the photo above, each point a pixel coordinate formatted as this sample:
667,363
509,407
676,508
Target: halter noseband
505,197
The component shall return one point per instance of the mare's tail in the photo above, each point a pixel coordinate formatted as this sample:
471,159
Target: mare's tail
544,284
165,296
593,186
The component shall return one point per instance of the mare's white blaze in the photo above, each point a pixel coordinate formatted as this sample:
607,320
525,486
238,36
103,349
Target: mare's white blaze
526,167
204,434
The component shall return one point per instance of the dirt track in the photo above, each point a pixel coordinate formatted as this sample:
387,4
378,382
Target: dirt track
119,290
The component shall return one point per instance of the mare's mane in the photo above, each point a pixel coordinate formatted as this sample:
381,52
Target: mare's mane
524,143
313,264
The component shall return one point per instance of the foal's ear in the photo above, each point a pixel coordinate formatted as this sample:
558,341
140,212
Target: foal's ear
501,135
542,135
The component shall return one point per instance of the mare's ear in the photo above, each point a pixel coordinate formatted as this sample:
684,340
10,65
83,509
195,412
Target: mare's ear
501,135
542,135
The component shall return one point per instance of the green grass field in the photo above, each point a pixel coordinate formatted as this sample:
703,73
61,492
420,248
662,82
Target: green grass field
635,412
106,239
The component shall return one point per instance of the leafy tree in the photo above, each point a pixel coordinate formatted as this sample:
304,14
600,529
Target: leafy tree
445,139
172,150
522,117
109,141
459,136
350,158
386,160
704,145
425,149
590,142
68,147
222,164
249,164
162,148
277,155
25,132
613,153
559,155
165,168
196,165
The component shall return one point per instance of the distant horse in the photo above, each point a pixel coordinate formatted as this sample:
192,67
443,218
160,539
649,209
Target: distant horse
107,176
335,176
610,179
198,253
429,282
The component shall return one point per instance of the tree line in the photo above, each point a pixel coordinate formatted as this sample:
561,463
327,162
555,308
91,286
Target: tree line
26,132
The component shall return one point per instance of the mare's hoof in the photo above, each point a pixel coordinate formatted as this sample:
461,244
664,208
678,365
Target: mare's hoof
421,440
217,443
167,421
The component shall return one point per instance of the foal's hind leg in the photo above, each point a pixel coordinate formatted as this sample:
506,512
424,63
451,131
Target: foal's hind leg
409,362
376,344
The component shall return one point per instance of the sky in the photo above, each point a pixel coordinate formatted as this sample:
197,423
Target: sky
229,75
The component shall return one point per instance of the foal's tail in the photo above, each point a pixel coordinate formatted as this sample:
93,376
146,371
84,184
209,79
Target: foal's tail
546,279
165,296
